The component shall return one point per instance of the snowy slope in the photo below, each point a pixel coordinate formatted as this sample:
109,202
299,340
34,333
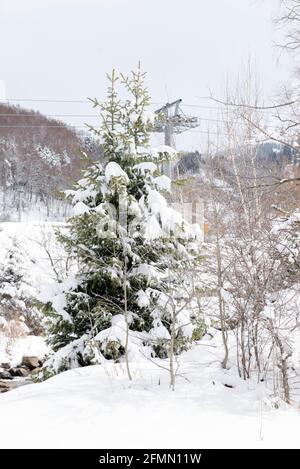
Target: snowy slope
97,407
32,209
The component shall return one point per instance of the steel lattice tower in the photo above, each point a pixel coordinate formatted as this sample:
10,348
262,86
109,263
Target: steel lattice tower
172,120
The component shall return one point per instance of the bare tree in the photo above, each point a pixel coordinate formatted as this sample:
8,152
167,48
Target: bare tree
289,19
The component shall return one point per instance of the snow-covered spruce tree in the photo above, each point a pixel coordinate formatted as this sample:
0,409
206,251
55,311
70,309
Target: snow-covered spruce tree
125,237
18,314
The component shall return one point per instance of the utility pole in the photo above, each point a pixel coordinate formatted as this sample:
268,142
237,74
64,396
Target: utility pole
166,121
172,120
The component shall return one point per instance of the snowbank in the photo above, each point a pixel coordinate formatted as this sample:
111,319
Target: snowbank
97,407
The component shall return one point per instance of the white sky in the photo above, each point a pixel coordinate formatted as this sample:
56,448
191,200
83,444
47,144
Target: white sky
2,89
61,49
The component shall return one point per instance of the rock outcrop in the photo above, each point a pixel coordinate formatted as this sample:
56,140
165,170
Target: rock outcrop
12,377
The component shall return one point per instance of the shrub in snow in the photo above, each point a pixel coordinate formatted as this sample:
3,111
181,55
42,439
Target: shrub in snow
17,311
127,242
81,352
199,329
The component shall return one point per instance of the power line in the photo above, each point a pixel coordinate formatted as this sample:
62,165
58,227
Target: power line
201,119
58,126
72,126
55,126
82,101
48,115
221,107
46,100
206,132
86,116
154,103
41,126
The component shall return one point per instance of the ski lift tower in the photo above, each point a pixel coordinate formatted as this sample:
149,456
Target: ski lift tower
171,120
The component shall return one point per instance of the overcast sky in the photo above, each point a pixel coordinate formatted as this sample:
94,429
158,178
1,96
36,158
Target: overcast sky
61,49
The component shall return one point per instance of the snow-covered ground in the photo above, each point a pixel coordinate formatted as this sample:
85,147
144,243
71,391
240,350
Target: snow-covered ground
97,407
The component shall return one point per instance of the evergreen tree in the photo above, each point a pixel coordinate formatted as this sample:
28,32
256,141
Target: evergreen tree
126,240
